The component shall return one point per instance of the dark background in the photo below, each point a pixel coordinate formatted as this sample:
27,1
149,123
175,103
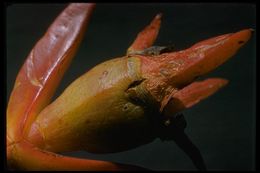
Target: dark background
223,126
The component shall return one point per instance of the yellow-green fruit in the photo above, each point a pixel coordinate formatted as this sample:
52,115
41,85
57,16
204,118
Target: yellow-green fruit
98,112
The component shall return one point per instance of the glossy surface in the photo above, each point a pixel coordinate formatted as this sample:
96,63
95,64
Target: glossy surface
34,95
203,117
96,111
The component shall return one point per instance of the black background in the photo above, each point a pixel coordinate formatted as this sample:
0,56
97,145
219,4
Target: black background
223,126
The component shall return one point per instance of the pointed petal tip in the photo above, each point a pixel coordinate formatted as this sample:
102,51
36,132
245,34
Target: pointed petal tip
252,30
192,94
209,54
147,36
157,20
220,82
243,36
159,16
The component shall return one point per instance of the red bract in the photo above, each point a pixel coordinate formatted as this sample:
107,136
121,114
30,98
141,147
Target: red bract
118,105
